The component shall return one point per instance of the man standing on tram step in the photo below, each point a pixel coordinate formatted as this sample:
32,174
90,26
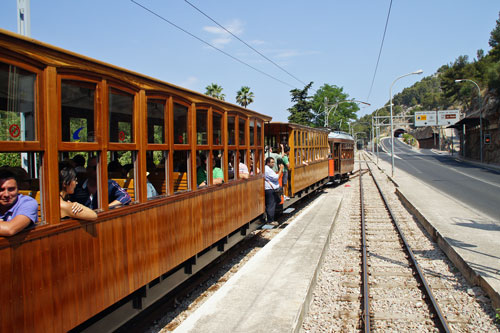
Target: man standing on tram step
271,183
17,211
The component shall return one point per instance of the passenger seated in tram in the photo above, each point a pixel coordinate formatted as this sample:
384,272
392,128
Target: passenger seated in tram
67,184
243,169
217,174
86,194
201,170
17,211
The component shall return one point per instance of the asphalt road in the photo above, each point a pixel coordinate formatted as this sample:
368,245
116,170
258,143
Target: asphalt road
475,186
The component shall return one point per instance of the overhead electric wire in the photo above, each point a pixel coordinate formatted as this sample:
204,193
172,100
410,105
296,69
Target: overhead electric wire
248,45
380,51
212,46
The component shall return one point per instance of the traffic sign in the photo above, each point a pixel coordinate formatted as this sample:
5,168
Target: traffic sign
447,117
14,130
425,118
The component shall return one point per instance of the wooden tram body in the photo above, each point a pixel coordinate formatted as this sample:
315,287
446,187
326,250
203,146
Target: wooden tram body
63,272
341,161
308,155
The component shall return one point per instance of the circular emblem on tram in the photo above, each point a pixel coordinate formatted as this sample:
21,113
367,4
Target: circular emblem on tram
14,130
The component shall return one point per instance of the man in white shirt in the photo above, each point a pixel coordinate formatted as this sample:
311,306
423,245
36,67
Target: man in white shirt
270,185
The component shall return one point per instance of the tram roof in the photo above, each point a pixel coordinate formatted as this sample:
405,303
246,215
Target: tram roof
340,135
64,58
301,127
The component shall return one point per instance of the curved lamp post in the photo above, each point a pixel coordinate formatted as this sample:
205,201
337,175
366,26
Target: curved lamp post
392,127
334,107
480,118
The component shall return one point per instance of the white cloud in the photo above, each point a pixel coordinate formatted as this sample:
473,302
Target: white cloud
189,82
222,36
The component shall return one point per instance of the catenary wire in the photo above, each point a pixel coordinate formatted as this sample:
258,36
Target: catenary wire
251,47
212,46
380,51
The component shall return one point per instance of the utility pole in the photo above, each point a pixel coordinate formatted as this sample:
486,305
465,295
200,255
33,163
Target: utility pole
23,18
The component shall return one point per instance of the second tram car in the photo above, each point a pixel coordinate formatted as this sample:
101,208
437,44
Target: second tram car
341,160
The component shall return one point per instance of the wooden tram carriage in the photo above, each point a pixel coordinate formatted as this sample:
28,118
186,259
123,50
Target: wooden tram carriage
308,155
341,161
63,272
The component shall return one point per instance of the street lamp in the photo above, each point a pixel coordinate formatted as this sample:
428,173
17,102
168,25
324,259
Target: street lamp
480,118
392,127
334,107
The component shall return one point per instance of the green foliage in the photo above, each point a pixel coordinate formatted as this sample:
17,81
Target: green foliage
244,96
215,91
300,113
340,110
409,139
10,159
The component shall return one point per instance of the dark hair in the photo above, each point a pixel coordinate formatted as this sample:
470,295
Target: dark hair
79,160
287,149
217,162
268,159
6,174
66,175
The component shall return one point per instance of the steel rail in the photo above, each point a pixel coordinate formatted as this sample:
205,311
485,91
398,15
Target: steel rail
435,309
366,291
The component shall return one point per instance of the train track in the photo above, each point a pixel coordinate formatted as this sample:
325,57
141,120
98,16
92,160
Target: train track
390,260
382,291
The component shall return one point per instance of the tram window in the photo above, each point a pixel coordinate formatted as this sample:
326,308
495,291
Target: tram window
180,124
181,175
157,184
217,128
201,127
231,130
121,114
231,162
243,167
259,133
121,170
202,168
77,111
241,128
217,167
156,121
26,167
255,164
252,132
17,104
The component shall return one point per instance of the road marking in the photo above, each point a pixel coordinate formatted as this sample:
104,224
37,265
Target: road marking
463,173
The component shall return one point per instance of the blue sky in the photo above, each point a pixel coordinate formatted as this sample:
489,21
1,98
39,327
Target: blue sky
334,42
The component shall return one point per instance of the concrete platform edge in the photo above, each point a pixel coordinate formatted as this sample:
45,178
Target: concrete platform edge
312,284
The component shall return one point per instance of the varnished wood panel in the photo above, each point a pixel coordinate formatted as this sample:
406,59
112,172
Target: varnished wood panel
54,283
307,175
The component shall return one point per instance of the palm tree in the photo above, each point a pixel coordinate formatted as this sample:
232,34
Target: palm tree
215,91
244,96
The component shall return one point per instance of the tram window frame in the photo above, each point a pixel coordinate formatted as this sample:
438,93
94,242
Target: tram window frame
202,134
220,136
129,139
92,123
157,174
242,131
38,118
151,124
181,138
176,173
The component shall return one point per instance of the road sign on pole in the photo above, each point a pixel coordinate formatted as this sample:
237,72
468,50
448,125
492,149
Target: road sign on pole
425,118
447,117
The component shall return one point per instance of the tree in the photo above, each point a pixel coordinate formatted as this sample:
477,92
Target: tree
333,95
244,96
301,113
495,40
215,91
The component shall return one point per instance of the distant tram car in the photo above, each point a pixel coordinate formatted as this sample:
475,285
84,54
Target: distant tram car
341,160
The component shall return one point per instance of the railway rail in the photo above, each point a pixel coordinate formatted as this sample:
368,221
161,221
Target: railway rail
397,300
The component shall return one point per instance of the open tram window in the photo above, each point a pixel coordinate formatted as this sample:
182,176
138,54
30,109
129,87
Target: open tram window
26,167
121,115
259,133
77,111
156,121
217,167
252,132
231,162
181,175
241,129
254,165
202,127
181,124
156,171
121,178
17,104
243,165
202,168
